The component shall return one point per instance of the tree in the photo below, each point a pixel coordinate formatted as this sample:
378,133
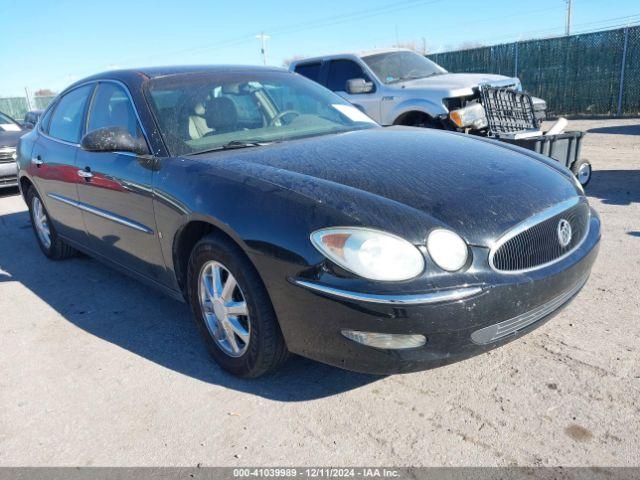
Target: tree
44,92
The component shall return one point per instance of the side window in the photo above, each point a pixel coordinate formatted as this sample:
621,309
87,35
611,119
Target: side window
44,123
66,120
309,70
342,70
111,107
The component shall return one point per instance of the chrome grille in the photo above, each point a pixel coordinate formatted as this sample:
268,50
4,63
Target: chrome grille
6,154
536,243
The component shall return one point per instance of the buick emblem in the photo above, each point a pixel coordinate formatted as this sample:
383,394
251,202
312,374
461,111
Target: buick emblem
564,232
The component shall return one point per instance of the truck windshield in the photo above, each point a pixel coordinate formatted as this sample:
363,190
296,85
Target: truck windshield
393,67
199,112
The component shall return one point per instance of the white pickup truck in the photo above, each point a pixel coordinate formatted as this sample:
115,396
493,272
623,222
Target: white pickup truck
400,87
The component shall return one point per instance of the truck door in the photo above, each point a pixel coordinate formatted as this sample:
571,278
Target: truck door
339,71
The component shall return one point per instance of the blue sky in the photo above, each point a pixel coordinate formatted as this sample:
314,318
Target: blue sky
51,43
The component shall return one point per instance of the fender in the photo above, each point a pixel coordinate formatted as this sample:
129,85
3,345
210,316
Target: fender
413,105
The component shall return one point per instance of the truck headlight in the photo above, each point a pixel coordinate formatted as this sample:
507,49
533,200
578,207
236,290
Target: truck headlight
370,253
472,115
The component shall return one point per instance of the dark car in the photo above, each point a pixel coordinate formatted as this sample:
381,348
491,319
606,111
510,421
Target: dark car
10,133
31,118
291,222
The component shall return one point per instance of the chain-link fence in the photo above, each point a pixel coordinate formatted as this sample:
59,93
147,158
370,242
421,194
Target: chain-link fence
16,107
589,74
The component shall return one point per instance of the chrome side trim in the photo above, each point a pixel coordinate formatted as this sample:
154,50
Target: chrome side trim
416,299
530,222
102,213
500,330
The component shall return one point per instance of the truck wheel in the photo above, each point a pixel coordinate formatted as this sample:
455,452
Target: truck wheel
233,310
582,170
417,119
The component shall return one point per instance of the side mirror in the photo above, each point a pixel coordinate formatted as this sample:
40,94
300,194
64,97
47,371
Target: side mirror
113,139
359,85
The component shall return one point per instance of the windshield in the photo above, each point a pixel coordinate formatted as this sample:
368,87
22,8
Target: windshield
200,112
393,67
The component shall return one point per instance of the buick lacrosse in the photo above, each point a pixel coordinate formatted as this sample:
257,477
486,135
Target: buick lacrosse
292,222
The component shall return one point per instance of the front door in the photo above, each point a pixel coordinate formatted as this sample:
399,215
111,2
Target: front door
115,193
342,70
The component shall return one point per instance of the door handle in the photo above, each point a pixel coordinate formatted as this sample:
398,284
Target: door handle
37,161
86,173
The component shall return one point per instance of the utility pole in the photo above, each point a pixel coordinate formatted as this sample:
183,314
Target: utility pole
263,42
567,28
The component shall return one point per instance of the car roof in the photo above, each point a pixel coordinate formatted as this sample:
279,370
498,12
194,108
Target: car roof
137,75
359,54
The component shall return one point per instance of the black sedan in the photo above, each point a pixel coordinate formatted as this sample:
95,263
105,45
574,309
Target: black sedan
291,222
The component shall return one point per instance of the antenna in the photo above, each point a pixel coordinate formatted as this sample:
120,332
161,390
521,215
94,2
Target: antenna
567,28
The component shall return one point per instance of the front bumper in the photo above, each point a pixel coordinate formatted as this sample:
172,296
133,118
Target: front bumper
8,174
506,307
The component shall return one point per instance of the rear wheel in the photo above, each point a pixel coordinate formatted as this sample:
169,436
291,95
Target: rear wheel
50,244
582,170
233,310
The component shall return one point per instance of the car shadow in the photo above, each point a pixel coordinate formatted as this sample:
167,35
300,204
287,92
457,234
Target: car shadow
615,187
144,321
617,130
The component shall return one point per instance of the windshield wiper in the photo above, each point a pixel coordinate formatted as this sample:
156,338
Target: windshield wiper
233,144
244,143
417,77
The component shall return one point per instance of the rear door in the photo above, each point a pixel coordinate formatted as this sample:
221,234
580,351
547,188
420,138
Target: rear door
53,158
312,71
116,190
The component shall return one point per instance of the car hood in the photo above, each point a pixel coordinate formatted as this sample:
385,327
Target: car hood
459,81
10,139
406,179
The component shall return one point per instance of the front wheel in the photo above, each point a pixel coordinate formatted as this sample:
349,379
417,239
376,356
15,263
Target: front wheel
50,244
233,310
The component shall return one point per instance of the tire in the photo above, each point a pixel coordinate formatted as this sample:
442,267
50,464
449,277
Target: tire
265,350
582,170
418,119
56,248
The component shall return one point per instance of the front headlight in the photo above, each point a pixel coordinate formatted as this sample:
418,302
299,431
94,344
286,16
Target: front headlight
447,249
370,253
472,115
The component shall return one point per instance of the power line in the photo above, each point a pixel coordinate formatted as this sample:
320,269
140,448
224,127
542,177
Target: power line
299,27
629,18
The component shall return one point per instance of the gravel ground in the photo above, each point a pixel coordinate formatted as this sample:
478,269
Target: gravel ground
97,369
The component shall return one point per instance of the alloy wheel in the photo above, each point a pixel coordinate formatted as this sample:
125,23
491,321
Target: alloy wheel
224,307
41,223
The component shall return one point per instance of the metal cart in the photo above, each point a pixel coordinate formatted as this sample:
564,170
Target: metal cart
511,119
